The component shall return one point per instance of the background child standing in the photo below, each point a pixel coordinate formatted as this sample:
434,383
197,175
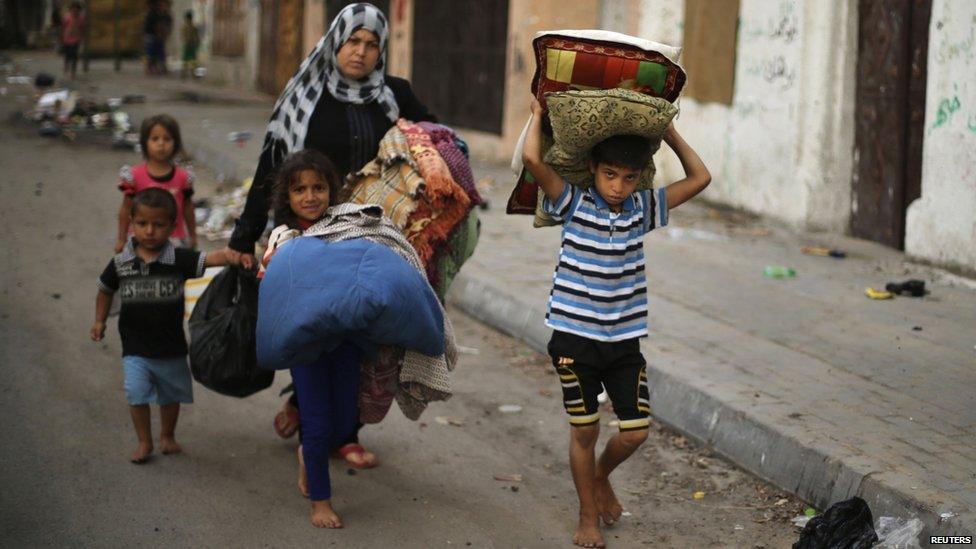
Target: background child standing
191,43
72,34
149,274
598,304
160,140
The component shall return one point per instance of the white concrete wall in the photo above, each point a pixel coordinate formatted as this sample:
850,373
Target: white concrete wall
235,71
784,146
941,225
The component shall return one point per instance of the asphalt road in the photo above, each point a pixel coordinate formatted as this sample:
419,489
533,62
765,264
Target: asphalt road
66,436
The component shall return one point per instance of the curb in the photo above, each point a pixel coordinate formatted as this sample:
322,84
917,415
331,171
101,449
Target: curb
813,473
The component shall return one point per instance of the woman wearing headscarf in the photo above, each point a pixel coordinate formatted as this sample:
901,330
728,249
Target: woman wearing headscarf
341,103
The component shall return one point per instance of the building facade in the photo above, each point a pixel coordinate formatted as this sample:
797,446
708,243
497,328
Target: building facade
851,116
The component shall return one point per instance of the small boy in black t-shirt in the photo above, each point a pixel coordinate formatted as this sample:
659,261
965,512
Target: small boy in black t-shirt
149,273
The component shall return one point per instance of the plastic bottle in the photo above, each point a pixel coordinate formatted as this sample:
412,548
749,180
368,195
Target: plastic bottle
778,271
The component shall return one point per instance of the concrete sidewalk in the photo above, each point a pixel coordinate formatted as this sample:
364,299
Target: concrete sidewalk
805,381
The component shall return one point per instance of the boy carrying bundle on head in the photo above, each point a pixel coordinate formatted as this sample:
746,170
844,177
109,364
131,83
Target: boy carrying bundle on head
598,304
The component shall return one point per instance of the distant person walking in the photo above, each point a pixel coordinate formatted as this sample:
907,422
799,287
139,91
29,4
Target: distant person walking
72,35
159,25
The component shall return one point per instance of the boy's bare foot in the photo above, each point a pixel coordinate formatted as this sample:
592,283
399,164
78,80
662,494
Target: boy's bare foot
606,502
302,475
588,533
142,453
324,517
168,445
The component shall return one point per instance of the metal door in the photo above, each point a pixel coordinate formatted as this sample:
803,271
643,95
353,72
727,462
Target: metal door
891,72
459,61
281,43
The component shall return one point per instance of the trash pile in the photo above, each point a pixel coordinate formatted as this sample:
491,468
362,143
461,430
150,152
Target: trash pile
216,215
65,113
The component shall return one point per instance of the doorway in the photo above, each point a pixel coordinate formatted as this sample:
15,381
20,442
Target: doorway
890,116
281,43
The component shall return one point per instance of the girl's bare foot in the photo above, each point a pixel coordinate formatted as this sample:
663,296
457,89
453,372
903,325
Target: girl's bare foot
168,445
357,456
606,502
142,453
323,516
302,475
588,533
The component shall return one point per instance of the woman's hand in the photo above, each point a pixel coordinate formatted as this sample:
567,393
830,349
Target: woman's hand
119,245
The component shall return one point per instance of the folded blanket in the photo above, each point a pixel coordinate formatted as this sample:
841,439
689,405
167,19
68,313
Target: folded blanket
422,378
446,142
317,294
444,203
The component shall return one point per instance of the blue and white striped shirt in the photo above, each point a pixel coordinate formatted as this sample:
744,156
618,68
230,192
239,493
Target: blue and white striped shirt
599,288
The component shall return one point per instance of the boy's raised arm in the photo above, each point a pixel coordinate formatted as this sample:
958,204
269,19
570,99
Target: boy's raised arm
216,258
547,178
697,176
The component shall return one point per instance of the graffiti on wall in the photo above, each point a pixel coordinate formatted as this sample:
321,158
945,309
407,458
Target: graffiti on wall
771,38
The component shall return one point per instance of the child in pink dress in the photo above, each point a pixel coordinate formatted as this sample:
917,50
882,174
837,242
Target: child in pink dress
160,139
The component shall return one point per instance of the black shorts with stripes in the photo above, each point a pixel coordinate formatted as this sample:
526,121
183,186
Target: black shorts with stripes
587,366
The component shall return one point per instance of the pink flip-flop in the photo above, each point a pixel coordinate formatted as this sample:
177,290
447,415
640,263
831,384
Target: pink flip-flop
286,422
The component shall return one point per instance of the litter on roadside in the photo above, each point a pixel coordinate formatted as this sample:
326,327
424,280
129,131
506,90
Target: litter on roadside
509,408
846,523
20,80
444,420
823,252
877,294
239,138
778,271
468,350
800,521
221,210
898,533
912,288
508,477
698,495
65,112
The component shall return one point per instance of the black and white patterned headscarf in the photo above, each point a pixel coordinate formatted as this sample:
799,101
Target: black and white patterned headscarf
289,121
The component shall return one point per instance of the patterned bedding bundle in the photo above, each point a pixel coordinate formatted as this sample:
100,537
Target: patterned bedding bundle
422,179
423,182
592,85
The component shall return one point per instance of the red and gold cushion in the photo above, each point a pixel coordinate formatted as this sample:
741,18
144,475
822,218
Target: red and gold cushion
573,63
576,62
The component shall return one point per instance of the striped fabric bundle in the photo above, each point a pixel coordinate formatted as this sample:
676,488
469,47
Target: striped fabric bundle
444,203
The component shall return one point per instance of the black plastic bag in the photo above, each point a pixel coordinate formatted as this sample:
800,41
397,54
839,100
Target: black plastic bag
222,345
846,525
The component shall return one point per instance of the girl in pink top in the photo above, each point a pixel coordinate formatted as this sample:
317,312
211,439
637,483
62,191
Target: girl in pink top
159,137
72,33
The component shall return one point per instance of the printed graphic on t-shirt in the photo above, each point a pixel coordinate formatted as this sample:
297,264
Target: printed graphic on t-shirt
151,289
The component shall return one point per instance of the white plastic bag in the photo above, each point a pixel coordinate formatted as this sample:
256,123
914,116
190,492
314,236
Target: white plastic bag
897,533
